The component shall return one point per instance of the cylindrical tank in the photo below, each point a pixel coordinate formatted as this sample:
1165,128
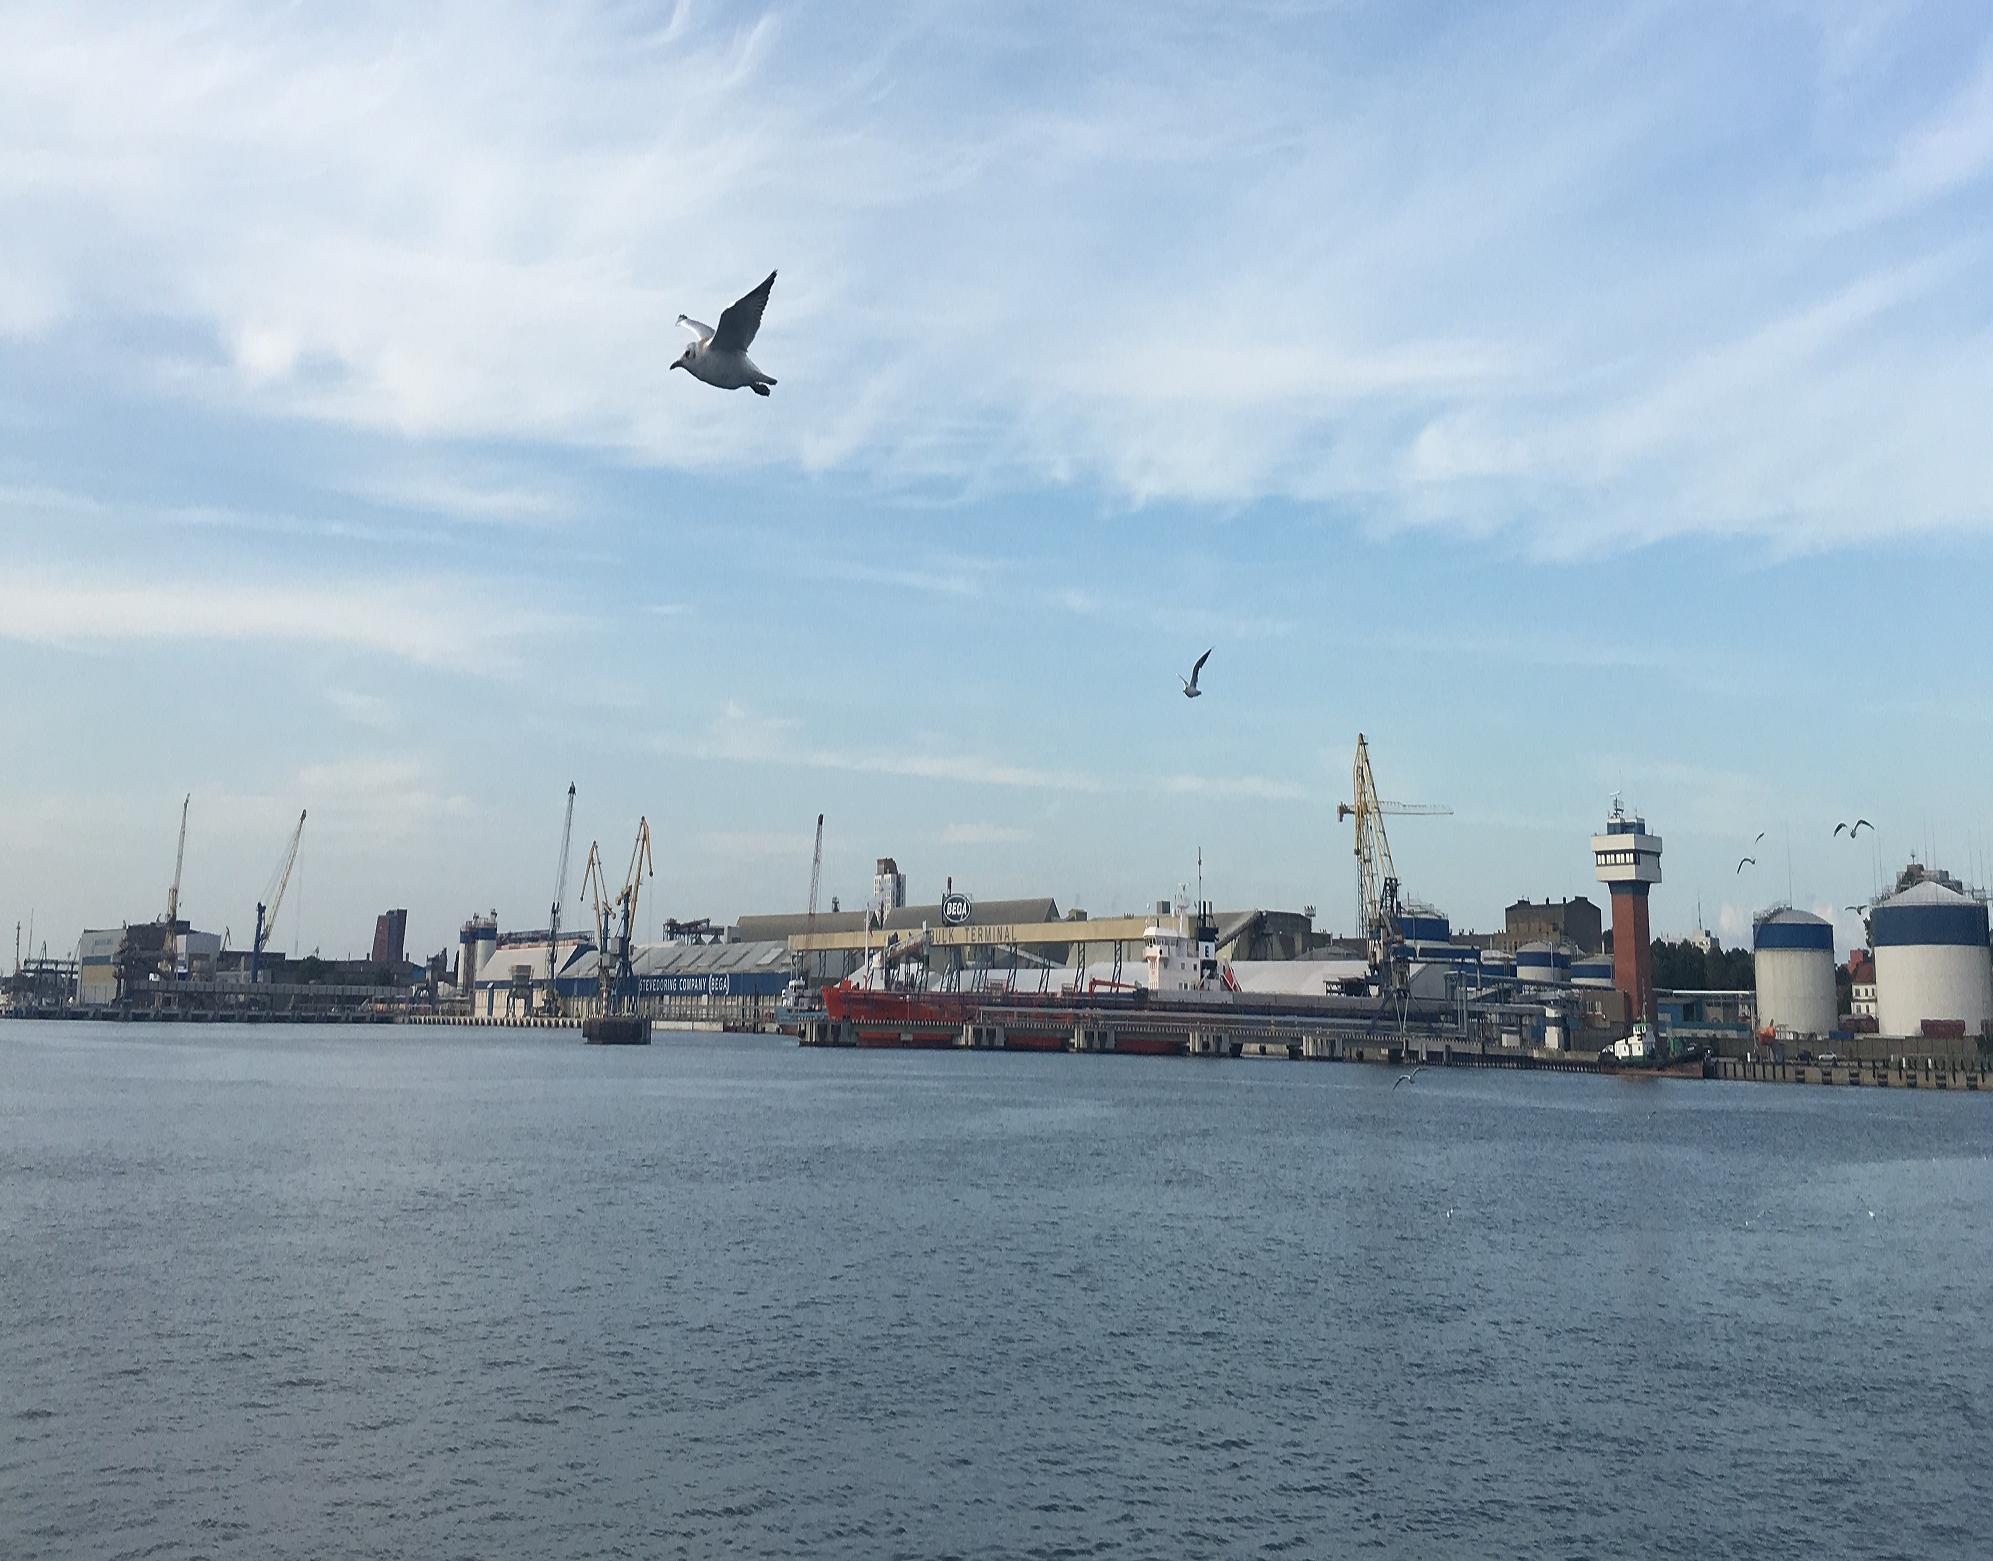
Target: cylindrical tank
1792,954
1930,960
1423,926
1545,964
1591,970
480,942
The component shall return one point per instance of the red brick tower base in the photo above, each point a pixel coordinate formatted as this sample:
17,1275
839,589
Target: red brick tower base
1633,950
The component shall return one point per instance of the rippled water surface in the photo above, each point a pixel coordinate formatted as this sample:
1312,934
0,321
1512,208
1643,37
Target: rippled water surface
273,1292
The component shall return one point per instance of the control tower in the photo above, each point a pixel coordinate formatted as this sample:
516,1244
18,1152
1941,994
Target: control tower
1628,862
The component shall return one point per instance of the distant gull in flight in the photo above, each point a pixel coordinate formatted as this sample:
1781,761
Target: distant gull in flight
1190,688
1406,1078
719,357
1855,828
1742,862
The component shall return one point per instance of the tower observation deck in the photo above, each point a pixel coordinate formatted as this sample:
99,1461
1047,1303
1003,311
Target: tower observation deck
1627,860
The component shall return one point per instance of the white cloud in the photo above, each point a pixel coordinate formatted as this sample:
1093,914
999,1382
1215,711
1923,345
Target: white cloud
363,709
983,835
428,622
1238,257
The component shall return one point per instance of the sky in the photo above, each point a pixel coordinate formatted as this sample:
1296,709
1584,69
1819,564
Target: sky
1578,401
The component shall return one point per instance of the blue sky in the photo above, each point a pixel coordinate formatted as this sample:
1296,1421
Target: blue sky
1572,399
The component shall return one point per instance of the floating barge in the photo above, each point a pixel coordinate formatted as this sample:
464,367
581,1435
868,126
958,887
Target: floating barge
616,1030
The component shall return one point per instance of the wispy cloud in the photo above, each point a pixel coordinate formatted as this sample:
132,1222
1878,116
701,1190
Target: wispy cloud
741,735
427,622
363,709
1289,259
984,835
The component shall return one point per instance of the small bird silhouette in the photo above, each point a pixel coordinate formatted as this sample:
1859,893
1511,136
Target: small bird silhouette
1757,837
1406,1078
1747,861
1190,688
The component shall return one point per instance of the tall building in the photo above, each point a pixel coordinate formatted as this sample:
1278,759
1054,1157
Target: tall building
889,886
1627,860
1573,921
391,937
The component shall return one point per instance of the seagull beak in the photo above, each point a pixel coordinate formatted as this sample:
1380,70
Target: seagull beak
678,363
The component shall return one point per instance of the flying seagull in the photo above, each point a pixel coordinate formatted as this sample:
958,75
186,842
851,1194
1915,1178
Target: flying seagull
1406,1078
719,357
1190,688
1746,861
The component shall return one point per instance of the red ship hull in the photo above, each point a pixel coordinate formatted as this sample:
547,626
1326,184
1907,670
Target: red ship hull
914,1021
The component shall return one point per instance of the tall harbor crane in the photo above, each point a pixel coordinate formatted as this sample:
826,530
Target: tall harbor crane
595,890
613,946
1377,887
810,920
550,1002
169,945
272,901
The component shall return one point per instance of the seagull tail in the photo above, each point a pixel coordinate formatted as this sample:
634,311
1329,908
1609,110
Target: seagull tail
760,389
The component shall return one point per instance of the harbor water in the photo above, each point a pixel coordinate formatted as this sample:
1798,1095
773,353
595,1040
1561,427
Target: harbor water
409,1292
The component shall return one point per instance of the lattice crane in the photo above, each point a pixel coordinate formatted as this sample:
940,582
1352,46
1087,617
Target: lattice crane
810,920
273,900
169,945
613,970
550,1001
1377,887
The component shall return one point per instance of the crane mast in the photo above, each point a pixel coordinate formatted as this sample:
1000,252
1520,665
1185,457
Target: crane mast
595,890
266,914
551,1002
167,948
1377,887
816,877
612,960
640,869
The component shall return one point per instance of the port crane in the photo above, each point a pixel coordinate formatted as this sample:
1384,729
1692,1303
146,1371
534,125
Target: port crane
809,955
550,1002
168,947
1377,888
613,970
272,901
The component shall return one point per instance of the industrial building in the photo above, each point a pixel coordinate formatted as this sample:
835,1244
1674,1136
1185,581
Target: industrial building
1573,921
391,937
727,983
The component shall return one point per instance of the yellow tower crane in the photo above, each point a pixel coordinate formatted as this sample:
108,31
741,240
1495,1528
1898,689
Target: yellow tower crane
1377,887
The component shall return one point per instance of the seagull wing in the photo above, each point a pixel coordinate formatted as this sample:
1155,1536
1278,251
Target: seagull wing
1742,862
703,332
1760,836
1197,666
1839,827
742,319
1859,823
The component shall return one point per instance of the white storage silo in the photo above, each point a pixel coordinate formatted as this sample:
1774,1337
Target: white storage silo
1591,970
1792,954
1544,964
1930,960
